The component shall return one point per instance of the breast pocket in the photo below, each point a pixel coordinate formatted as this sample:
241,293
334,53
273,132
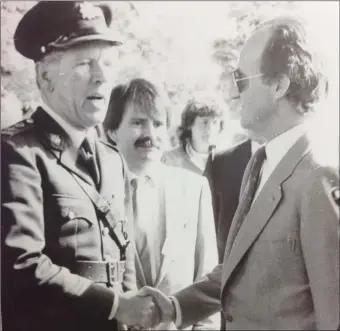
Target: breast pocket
78,224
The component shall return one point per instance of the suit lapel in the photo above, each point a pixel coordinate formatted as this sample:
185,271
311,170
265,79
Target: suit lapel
261,211
172,205
141,280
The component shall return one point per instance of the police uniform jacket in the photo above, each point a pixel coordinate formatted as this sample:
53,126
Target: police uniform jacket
50,224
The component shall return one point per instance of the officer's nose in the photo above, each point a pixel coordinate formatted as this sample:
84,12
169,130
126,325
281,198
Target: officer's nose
99,74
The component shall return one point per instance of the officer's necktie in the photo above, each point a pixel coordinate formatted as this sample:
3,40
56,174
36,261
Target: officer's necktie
88,157
255,164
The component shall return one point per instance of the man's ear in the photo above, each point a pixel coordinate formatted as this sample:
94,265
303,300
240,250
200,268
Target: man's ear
43,76
282,86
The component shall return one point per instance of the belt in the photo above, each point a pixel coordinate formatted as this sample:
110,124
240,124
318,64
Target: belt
108,272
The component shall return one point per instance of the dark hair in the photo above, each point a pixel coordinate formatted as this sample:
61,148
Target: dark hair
198,107
140,92
289,52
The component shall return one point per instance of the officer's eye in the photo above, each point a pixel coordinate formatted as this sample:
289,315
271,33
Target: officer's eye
84,62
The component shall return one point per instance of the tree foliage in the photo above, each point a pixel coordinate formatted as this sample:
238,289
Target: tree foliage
183,45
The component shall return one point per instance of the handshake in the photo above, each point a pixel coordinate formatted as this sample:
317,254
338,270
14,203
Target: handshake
145,308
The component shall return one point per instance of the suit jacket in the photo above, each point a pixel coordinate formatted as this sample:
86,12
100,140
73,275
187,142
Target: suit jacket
282,270
189,249
227,171
178,157
224,173
49,223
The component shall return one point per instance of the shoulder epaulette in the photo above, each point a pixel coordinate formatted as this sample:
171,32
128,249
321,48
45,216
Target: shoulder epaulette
18,127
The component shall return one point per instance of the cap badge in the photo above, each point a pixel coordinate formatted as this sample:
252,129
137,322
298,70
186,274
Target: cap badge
88,11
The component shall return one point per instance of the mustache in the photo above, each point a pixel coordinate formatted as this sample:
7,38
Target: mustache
146,142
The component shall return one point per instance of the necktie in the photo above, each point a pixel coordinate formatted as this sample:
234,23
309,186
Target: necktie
252,182
135,191
88,157
212,149
253,178
139,210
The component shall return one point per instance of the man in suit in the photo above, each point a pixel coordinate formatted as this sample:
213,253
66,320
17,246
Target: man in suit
281,263
66,258
175,238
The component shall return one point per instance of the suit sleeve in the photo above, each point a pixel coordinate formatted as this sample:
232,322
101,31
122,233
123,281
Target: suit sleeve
320,244
23,234
201,299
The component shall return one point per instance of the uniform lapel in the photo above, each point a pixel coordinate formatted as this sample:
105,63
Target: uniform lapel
57,141
69,159
105,169
261,211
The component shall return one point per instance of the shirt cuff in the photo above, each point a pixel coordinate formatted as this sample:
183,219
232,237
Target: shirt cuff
114,307
178,312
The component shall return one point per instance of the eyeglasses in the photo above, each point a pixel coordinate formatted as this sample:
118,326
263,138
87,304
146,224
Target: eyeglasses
241,81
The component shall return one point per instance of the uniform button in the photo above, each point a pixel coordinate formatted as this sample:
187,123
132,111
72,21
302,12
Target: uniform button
105,232
229,318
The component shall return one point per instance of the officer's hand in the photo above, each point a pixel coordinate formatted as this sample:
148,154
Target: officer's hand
164,303
135,310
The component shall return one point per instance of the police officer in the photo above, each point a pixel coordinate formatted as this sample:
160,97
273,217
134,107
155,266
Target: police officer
66,259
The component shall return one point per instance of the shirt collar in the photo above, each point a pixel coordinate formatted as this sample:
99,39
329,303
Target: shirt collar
279,146
76,135
254,146
199,159
149,176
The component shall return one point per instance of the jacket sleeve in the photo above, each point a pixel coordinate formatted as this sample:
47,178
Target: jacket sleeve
206,257
23,234
201,299
320,244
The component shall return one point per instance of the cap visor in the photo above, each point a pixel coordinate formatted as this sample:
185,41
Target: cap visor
85,39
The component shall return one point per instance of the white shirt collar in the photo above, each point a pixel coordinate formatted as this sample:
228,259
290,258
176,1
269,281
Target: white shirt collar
277,148
151,175
76,135
199,159
254,146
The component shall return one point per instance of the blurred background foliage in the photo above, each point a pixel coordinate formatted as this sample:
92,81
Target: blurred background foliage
183,45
